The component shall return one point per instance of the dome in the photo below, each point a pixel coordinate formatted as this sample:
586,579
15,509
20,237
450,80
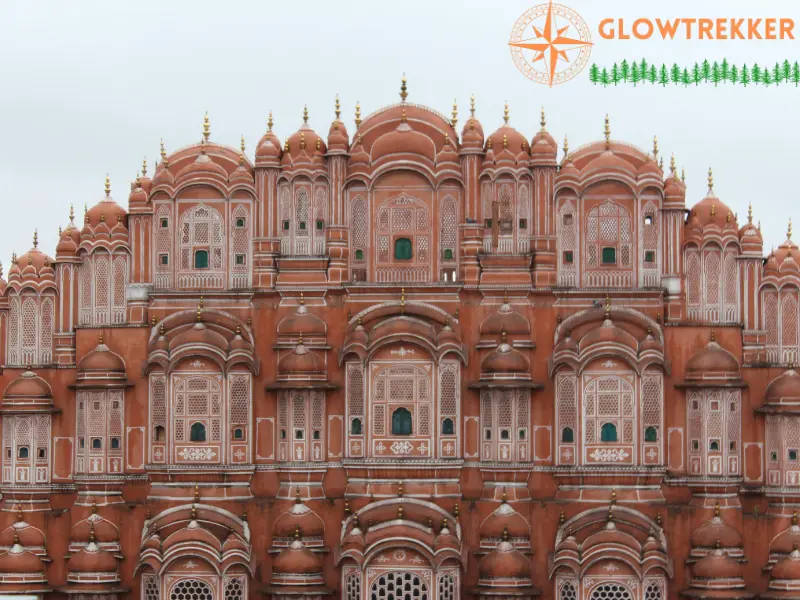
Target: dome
403,139
784,389
199,334
18,560
242,173
674,188
302,322
338,139
101,360
505,319
301,361
713,363
163,175
303,145
268,150
202,167
28,536
297,560
95,526
717,565
106,210
472,133
788,568
299,516
785,541
504,562
509,145
32,265
92,559
138,195
750,237
505,519
711,211
716,530
28,386
505,359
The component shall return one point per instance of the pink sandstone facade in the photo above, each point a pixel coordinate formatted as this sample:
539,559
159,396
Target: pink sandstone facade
412,363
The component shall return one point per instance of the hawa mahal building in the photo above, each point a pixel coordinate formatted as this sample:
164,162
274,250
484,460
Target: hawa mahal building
417,362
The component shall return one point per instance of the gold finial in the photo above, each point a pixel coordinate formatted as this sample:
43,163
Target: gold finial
710,181
347,509
504,497
403,89
505,141
683,175
658,519
717,545
759,226
101,340
108,185
542,120
302,140
402,300
672,163
608,307
297,532
241,144
505,114
489,144
505,296
716,510
750,213
610,517
300,339
35,238
503,335
286,145
164,159
196,492
456,511
144,167
566,147
403,117
400,512
655,148
21,517
269,122
444,525
338,107
713,209
400,489
661,164
561,518
162,330
206,127
71,213
713,336
305,113
199,313
472,105
613,495
319,143
505,534
789,230
297,499
302,299
454,114
358,114
794,518
92,538
607,132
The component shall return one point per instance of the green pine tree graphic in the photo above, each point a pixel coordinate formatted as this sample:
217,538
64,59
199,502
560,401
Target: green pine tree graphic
755,73
604,79
625,70
795,73
716,74
675,73
615,74
726,69
766,77
745,76
652,76
696,74
685,77
635,75
663,76
733,75
706,71
594,74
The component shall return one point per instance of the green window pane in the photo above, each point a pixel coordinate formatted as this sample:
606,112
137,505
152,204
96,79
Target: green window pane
448,254
609,256
567,435
650,434
401,422
402,249
197,432
359,255
201,259
608,432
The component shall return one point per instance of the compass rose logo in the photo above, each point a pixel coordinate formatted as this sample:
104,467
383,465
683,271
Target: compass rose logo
550,43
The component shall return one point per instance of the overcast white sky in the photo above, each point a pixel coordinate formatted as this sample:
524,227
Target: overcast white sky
90,87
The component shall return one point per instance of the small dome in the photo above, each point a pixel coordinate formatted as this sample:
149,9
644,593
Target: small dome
750,237
95,526
711,211
92,559
716,530
504,562
28,536
717,565
505,319
784,389
202,167
544,148
106,210
505,519
300,516
302,322
199,334
28,386
297,560
101,360
338,139
472,134
138,195
505,359
713,363
18,560
301,361
788,568
674,189
163,175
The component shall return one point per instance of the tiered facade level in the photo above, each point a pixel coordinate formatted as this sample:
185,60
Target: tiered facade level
408,364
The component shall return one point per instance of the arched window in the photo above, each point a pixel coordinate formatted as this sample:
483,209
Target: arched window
97,444
23,452
191,588
201,259
359,254
238,434
448,254
448,427
197,433
567,435
611,591
355,427
160,434
402,249
650,434
401,422
608,432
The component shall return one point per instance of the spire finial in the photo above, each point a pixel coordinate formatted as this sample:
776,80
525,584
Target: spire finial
71,213
35,238
713,336
144,167
269,122
503,335
794,518
403,88
300,339
504,497
92,538
338,107
566,147
206,127
505,114
402,300
710,181
197,492
607,132
789,230
472,105
542,120
454,114
358,114
241,144
21,517
199,313
297,498
305,113
716,510
683,175
164,159
101,340
108,185
672,163
750,213
655,148
661,164
505,534
608,307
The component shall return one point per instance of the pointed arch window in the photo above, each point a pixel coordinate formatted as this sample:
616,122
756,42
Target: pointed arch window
567,435
401,422
197,432
402,249
608,432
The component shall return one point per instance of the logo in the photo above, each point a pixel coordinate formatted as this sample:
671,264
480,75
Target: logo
550,43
